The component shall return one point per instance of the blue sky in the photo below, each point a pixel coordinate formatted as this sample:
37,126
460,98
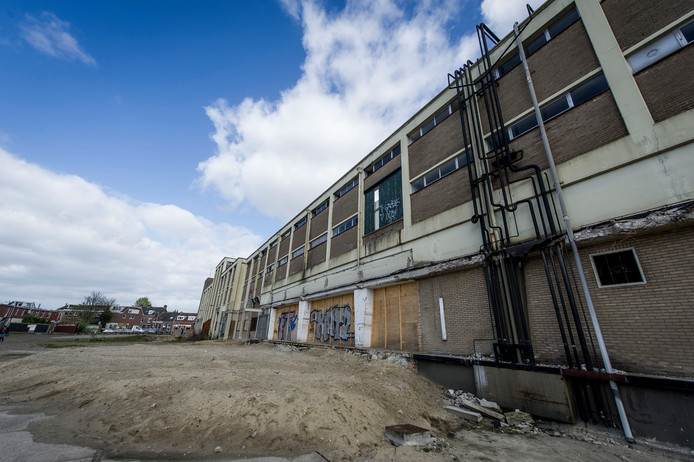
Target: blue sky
135,121
141,141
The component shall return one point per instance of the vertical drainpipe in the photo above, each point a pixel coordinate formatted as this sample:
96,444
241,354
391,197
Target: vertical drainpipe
570,237
360,216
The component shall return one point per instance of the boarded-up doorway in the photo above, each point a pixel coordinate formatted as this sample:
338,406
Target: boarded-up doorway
395,323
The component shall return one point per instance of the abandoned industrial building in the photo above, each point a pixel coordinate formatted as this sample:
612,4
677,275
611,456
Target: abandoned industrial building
448,241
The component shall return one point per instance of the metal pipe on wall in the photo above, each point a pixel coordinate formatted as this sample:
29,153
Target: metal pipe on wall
626,428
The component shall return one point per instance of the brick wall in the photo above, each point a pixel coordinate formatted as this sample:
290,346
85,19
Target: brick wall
634,20
582,129
345,206
466,310
284,247
445,194
442,141
316,255
667,86
563,60
381,173
280,272
299,237
319,224
344,243
296,265
647,328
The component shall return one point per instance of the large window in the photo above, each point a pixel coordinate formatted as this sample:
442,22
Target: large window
383,203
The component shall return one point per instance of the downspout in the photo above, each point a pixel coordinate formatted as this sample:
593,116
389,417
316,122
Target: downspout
626,428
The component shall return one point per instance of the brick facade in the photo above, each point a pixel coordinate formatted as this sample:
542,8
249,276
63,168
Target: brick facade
667,86
633,21
465,308
648,328
441,142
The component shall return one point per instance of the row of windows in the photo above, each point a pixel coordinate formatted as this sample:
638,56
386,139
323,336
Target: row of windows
384,159
345,225
321,208
579,95
318,241
301,222
662,48
298,252
435,120
538,42
441,171
347,187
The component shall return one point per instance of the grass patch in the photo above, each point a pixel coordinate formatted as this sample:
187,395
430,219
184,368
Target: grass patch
95,341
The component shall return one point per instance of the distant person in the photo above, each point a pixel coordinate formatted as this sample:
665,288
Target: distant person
3,333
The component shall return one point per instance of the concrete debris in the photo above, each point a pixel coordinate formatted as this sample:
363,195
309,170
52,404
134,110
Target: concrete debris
470,416
482,410
519,418
218,449
408,435
393,358
490,405
284,347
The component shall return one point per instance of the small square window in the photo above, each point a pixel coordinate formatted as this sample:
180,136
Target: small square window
617,268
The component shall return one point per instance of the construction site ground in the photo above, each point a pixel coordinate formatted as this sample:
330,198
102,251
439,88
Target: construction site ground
138,399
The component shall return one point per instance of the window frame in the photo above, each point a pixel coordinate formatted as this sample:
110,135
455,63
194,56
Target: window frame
624,284
346,188
336,229
323,238
301,222
320,208
303,250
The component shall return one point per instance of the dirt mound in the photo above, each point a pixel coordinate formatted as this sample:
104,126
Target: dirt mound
165,400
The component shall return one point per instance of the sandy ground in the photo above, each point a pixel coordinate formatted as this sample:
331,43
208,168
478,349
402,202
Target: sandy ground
167,400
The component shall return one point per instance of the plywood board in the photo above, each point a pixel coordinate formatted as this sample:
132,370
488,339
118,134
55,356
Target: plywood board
395,323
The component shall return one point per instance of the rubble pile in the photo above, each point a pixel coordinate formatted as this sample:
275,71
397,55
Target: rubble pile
484,413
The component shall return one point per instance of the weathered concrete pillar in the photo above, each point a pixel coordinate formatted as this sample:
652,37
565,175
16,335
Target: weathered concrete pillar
363,312
303,318
271,324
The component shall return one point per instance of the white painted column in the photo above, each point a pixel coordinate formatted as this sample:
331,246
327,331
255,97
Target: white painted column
271,324
303,318
625,91
363,313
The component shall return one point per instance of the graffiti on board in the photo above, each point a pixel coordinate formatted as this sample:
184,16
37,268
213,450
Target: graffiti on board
286,326
332,324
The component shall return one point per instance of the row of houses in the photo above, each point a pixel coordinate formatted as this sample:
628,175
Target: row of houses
448,240
158,319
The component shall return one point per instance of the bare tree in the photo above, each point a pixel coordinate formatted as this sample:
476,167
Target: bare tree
94,306
98,298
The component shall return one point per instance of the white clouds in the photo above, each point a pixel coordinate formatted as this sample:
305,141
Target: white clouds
501,14
367,70
50,35
61,237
